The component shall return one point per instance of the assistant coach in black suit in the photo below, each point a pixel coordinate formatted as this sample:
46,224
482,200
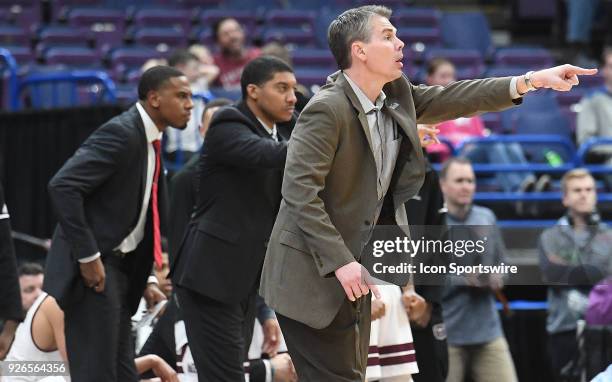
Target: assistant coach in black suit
218,265
110,200
11,311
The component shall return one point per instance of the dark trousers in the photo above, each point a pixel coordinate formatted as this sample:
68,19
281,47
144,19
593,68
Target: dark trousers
562,347
219,334
336,353
98,330
431,354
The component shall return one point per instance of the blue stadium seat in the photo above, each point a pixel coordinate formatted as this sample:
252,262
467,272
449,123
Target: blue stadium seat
467,30
234,95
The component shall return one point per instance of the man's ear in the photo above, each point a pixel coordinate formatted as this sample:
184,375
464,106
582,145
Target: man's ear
153,99
252,91
358,50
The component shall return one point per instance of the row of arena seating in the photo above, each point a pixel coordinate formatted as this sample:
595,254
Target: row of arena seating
102,29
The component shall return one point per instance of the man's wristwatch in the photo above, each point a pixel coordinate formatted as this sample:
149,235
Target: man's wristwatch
528,82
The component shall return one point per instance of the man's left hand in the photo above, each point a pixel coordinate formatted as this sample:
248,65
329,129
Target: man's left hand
560,78
428,134
153,295
272,334
418,309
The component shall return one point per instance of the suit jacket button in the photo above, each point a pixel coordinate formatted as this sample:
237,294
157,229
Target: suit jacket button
366,222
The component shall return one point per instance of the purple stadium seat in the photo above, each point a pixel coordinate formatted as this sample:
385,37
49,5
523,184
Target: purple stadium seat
72,56
313,58
23,13
14,35
204,35
247,18
155,17
309,77
297,19
107,25
540,9
468,62
298,37
58,34
171,37
393,4
592,81
504,71
123,59
492,122
429,37
533,58
22,54
570,115
416,18
567,99
467,30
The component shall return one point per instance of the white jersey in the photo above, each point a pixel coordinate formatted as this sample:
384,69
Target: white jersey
24,348
391,354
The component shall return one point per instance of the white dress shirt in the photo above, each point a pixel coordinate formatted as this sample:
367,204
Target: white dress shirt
135,237
272,131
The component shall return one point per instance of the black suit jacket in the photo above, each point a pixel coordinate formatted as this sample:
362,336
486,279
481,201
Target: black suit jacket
97,196
239,179
10,299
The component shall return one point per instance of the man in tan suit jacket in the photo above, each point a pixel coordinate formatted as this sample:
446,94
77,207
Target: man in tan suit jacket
353,160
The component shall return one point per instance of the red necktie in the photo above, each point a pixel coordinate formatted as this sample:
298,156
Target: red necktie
157,250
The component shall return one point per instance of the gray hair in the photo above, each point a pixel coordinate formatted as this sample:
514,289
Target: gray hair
352,25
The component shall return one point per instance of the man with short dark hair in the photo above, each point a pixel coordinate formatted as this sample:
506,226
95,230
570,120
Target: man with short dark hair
217,268
354,159
110,198
233,55
31,277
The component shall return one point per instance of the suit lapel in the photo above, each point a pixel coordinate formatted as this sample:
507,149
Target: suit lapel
400,116
357,105
255,125
143,146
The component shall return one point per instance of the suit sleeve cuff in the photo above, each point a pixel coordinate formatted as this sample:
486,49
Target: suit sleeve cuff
152,280
89,259
514,94
269,372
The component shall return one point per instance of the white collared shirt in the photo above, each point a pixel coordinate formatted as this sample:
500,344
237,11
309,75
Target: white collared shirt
383,133
272,131
135,237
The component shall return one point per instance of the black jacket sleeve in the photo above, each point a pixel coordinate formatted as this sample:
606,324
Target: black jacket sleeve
10,298
230,141
93,163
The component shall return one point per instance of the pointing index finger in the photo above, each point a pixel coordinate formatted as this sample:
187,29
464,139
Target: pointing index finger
582,71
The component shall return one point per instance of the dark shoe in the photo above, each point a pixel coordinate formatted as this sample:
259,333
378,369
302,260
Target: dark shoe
528,185
544,184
